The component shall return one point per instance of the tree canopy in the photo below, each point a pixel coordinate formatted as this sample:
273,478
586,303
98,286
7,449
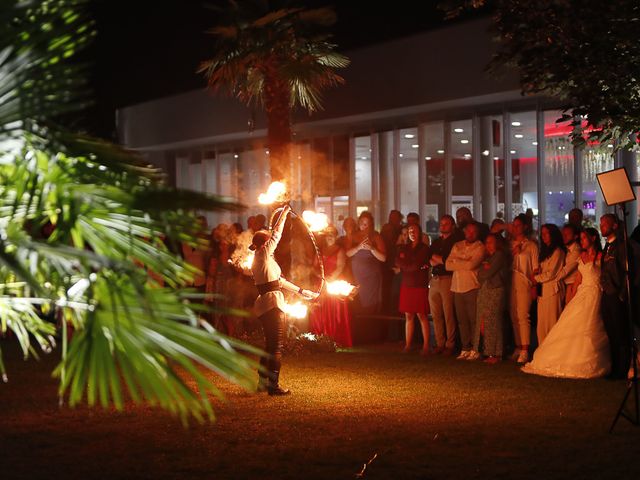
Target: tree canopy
584,52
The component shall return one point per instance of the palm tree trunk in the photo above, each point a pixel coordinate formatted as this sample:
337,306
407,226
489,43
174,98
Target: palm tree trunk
278,110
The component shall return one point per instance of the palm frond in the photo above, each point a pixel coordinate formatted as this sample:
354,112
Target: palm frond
255,43
81,224
157,357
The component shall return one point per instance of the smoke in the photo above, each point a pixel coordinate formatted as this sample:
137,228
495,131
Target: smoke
241,251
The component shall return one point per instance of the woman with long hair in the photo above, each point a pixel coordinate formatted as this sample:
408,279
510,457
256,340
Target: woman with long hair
412,259
367,253
551,260
578,346
492,298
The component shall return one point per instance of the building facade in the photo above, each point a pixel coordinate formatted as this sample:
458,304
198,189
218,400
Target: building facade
419,126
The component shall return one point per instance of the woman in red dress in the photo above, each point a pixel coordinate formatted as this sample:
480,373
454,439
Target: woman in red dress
332,317
412,260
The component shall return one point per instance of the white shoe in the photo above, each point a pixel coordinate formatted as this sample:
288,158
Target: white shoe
463,355
523,357
473,355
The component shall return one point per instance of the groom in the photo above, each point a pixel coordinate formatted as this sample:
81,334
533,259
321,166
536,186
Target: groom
613,307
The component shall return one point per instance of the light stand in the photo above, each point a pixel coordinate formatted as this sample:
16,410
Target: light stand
617,190
632,384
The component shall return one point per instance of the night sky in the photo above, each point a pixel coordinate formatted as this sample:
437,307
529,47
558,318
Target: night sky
147,49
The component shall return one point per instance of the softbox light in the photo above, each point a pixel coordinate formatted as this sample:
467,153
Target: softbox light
616,187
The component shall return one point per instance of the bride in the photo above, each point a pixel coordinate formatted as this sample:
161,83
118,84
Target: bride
577,346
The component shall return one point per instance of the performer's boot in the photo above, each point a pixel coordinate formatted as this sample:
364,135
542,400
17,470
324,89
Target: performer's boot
263,384
274,389
263,376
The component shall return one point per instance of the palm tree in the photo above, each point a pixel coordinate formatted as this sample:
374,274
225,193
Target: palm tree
279,59
81,221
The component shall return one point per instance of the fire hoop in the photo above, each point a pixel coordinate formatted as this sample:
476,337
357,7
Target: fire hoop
294,215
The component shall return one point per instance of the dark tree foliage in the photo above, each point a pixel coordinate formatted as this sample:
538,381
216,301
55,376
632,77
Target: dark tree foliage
583,52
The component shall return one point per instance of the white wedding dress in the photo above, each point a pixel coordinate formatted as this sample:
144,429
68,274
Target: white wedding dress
577,346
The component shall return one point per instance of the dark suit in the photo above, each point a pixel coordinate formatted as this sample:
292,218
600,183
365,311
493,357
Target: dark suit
613,307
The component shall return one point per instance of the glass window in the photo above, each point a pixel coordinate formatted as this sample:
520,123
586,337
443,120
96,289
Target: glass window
387,174
524,164
211,175
182,171
363,171
409,176
340,164
596,158
209,170
462,165
433,134
340,211
491,168
558,168
254,178
336,208
228,183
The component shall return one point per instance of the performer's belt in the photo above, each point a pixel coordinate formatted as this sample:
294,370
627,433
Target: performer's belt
268,287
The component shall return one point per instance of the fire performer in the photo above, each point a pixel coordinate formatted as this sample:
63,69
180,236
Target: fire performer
270,304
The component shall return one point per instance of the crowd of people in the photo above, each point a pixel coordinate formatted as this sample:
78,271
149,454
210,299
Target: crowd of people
553,300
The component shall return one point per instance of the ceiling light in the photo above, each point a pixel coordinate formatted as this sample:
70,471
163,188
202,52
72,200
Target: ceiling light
401,155
235,155
467,155
415,145
363,158
427,158
465,141
440,152
609,146
519,135
485,153
512,152
496,158
409,135
458,130
515,124
535,144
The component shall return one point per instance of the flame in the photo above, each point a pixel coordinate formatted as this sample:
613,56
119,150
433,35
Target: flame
275,193
316,221
247,262
340,287
242,257
296,310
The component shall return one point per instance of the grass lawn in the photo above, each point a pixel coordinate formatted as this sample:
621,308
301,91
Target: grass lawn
430,419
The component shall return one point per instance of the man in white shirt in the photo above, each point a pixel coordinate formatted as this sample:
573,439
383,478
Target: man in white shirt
464,261
270,304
